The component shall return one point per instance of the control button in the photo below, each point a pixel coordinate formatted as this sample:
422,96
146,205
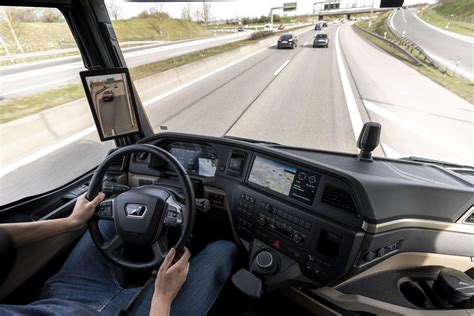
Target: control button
290,217
369,256
307,226
276,244
297,238
312,179
285,215
268,208
279,213
261,220
302,176
301,223
296,220
381,252
264,260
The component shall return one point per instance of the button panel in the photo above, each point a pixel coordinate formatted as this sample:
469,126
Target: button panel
245,207
293,219
377,253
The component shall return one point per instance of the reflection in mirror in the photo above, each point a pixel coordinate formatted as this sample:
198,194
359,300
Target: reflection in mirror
110,99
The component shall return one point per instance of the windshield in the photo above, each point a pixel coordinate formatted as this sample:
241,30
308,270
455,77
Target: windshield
217,68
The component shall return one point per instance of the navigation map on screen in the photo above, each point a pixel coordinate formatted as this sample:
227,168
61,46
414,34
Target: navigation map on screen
272,175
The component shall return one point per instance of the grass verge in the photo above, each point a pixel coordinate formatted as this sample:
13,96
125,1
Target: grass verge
15,108
440,21
456,84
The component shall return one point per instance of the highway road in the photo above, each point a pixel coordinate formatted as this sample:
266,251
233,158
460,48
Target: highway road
29,78
308,97
443,46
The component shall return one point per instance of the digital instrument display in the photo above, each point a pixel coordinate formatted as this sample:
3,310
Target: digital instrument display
290,181
196,159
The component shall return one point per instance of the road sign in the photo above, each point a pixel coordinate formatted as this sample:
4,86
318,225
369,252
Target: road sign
289,6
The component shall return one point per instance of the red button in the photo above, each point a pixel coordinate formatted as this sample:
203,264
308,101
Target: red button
276,244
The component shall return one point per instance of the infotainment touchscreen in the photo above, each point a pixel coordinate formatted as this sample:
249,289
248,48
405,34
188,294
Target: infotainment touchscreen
285,179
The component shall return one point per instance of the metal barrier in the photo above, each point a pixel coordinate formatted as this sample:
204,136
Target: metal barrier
393,44
410,45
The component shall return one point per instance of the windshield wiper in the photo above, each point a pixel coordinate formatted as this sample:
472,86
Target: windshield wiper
463,169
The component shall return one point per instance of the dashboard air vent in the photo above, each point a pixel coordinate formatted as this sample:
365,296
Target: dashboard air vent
117,164
339,198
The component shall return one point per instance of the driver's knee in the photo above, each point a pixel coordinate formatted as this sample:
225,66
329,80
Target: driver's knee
107,229
222,253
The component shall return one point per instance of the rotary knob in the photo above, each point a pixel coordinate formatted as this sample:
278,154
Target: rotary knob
264,260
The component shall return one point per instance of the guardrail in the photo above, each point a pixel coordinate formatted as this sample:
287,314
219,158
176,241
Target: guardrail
409,44
393,44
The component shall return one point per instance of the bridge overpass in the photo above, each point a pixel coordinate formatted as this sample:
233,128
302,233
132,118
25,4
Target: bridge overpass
345,11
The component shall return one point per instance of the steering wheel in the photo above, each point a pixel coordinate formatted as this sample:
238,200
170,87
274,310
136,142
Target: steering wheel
143,214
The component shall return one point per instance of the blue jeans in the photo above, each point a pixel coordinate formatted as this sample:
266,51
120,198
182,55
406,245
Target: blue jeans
88,278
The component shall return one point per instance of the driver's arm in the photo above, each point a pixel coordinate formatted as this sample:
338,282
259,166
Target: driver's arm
26,233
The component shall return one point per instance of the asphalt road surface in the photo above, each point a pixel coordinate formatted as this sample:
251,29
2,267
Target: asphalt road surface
441,45
308,97
29,78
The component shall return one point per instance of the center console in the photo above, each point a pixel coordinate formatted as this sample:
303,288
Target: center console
313,242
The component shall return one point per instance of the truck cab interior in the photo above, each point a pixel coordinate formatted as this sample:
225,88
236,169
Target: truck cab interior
318,232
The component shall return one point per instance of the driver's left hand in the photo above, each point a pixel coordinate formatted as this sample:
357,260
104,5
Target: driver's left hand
84,209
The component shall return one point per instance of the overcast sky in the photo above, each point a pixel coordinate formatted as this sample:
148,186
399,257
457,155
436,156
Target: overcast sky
242,8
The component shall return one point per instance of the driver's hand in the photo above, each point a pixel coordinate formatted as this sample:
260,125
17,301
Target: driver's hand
84,209
171,276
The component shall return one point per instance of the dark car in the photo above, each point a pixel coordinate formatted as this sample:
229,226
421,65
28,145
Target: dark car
287,40
240,29
107,96
317,27
325,24
321,40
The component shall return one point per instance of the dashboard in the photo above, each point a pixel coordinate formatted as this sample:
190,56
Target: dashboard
328,215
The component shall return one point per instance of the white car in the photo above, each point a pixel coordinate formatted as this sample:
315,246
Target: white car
268,28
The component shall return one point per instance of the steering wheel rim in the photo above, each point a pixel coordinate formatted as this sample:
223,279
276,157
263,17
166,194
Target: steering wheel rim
108,248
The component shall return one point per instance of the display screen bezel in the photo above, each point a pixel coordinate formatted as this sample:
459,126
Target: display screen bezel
291,165
110,71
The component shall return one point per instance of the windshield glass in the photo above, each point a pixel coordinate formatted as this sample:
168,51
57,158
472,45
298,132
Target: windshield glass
217,68
286,36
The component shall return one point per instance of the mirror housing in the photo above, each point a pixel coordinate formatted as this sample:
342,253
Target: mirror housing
391,3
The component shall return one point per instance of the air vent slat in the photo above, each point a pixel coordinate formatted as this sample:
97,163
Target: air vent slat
339,198
470,218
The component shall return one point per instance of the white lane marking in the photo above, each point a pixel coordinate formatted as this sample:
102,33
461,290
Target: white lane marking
71,139
46,151
281,67
39,86
390,152
305,43
354,114
419,130
182,53
464,38
403,15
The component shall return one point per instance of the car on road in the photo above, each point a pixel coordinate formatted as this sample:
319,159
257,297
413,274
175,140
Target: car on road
325,24
321,40
268,28
287,40
317,27
107,96
281,27
240,28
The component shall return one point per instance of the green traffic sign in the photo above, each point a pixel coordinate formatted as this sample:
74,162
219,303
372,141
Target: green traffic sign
290,6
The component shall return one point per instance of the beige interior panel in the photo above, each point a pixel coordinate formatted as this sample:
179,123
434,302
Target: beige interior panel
407,260
34,256
362,303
